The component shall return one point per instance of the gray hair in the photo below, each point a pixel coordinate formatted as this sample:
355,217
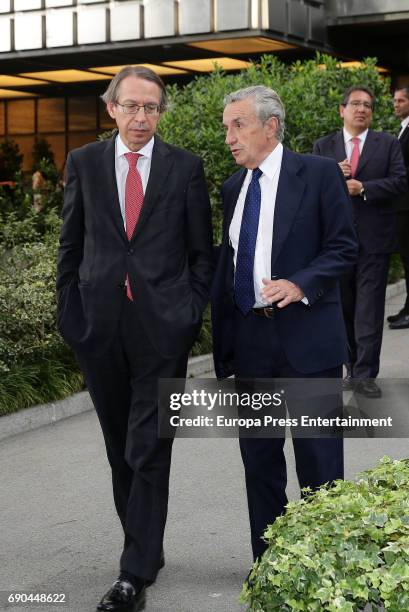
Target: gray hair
140,72
267,104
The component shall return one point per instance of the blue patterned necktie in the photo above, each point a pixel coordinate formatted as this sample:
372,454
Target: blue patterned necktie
243,280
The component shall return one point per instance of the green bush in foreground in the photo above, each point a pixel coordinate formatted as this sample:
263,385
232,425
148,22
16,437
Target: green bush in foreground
339,548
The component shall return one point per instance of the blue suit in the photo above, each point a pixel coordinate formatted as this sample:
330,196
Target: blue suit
313,244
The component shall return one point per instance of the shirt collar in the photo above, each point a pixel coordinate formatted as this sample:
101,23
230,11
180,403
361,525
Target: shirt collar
348,136
121,148
405,123
272,162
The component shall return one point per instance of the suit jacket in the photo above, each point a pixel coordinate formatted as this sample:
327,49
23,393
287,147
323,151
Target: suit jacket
313,244
168,260
402,202
383,176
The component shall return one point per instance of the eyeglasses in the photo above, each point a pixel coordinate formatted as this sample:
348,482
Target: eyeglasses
133,109
357,104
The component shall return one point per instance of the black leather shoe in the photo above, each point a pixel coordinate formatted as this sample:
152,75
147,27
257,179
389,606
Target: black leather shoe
397,316
122,597
348,383
402,323
368,388
161,564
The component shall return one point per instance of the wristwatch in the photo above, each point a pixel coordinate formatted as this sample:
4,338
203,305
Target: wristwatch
362,193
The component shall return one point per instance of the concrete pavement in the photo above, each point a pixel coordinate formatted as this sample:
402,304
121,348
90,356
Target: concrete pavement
59,532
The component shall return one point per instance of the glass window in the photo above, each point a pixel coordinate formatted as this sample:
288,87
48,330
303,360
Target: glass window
51,115
5,6
24,5
79,139
159,16
28,31
232,14
194,16
91,25
2,118
25,144
5,36
82,113
105,121
125,20
49,3
60,28
20,117
57,143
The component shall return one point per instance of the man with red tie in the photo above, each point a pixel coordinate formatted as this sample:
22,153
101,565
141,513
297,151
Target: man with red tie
134,269
373,168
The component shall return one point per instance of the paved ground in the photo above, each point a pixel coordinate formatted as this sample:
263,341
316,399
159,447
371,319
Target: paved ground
59,533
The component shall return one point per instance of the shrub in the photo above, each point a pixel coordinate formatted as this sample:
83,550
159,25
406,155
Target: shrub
10,160
42,152
35,364
27,303
339,548
311,92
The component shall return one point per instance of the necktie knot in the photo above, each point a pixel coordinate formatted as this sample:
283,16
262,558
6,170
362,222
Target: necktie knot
256,174
132,159
355,141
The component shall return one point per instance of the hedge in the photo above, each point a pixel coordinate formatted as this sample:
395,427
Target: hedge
339,548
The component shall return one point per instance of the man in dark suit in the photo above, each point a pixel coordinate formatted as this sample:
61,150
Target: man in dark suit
134,270
373,168
287,237
401,104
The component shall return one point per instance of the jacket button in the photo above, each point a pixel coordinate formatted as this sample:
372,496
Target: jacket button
130,252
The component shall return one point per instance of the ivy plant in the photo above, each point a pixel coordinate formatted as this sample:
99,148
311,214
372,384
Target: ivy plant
339,548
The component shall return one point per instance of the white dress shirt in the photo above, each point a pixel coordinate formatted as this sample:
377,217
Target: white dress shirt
121,168
349,145
404,124
270,168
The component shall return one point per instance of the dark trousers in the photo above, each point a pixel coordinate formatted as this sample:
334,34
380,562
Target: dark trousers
402,224
363,293
259,354
123,385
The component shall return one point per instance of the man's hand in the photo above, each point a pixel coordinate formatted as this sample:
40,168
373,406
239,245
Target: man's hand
281,291
345,167
354,187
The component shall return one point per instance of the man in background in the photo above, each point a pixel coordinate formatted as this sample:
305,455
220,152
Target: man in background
276,312
373,168
401,105
134,269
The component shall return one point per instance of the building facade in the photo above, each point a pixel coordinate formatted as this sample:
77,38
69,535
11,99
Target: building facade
57,56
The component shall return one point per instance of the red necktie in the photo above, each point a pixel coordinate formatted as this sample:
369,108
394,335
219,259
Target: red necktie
354,156
133,201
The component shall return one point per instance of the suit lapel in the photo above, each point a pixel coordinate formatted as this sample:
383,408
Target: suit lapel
367,151
109,185
161,164
231,199
289,194
339,146
405,134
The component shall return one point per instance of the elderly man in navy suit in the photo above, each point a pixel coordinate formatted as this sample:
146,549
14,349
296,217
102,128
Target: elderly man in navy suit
373,167
287,238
